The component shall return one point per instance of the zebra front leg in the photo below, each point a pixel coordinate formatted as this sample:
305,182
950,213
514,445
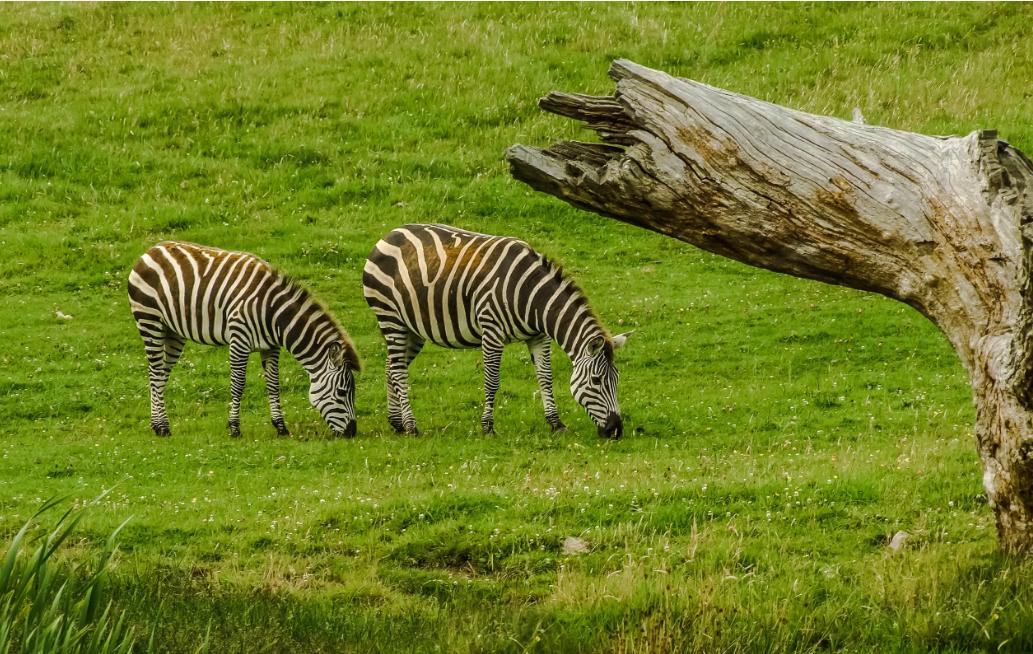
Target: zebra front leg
271,368
540,350
238,375
491,348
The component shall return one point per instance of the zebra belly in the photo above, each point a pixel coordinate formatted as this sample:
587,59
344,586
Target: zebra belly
465,332
444,329
190,324
205,335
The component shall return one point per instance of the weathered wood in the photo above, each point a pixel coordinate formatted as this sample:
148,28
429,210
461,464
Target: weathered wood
943,224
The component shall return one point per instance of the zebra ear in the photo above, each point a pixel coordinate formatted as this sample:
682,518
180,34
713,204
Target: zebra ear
336,355
620,339
595,346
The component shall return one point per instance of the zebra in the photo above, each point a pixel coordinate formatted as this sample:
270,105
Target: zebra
462,289
182,291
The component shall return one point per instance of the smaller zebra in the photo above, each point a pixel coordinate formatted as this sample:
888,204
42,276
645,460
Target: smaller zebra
462,289
182,292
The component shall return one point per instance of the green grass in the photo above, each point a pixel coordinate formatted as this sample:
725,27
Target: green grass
778,431
44,609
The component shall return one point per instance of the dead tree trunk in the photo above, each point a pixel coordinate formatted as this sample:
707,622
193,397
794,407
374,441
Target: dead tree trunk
943,224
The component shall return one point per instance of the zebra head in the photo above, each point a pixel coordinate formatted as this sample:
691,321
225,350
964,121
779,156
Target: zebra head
593,383
332,391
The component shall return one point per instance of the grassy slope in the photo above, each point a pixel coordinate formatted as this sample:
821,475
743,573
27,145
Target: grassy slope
780,431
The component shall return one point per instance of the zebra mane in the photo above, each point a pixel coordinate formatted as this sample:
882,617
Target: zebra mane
351,355
556,270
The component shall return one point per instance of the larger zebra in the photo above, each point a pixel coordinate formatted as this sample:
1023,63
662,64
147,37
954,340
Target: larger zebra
183,291
461,289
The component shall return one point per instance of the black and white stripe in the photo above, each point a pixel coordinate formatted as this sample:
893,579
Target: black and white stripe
186,292
462,289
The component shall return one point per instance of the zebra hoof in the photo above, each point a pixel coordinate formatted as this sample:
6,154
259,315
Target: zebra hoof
234,430
161,430
557,426
281,430
489,430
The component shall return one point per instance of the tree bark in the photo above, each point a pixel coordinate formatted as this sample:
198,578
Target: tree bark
942,224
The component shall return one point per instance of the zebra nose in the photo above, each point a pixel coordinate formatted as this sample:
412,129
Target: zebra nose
351,429
613,428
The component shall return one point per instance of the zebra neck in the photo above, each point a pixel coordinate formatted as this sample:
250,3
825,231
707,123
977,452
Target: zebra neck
576,349
567,318
301,326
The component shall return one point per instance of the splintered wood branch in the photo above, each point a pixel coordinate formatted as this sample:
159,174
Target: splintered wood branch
943,224
605,115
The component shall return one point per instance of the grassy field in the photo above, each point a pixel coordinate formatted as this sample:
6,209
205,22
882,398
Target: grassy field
778,432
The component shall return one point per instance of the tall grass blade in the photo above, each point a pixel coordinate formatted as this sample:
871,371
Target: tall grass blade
47,608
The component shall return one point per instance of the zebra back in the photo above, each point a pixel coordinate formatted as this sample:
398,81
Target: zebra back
439,281
199,293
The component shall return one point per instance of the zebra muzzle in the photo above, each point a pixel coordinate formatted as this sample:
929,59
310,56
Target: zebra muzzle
349,431
613,428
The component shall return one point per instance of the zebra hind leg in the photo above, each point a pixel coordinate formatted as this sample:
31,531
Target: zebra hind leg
271,368
402,348
394,409
414,347
162,351
238,375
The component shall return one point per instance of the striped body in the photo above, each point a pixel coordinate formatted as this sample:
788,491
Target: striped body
462,289
182,292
